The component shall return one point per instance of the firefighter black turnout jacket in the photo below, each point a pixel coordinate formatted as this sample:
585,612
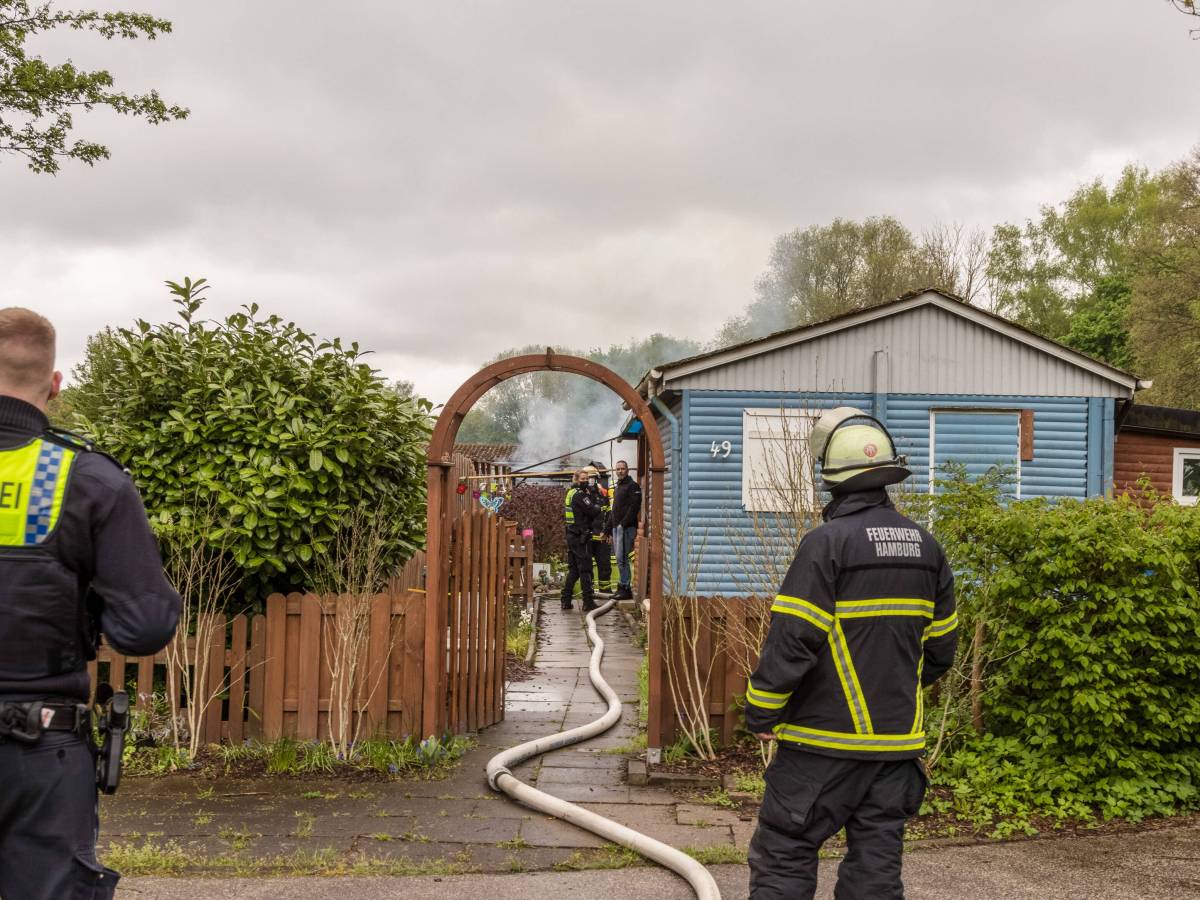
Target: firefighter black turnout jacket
864,619
72,527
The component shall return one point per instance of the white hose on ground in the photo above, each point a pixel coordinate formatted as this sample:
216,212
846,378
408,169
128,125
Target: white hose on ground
501,779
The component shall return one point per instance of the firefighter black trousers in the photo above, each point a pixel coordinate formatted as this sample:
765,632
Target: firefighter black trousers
49,821
809,798
602,553
579,567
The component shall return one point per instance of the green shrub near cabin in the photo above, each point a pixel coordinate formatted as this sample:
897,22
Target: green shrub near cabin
1089,656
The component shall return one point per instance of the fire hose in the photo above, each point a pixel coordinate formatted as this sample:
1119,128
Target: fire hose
501,779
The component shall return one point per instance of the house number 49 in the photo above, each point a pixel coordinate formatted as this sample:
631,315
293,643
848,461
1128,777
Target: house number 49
722,449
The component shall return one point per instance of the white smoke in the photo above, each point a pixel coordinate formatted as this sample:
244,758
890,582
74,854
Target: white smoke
555,428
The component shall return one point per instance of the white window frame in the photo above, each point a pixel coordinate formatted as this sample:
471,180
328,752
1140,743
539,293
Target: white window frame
1182,453
933,411
756,428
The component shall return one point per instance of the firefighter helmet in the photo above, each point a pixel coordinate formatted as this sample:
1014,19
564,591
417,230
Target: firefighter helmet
855,451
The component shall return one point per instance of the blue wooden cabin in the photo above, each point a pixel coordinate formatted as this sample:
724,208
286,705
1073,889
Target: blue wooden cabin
951,381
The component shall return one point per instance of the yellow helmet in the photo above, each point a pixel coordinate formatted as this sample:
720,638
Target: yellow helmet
855,451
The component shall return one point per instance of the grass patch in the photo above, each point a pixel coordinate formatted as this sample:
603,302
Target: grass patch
430,759
717,856
304,824
519,631
750,783
171,859
719,797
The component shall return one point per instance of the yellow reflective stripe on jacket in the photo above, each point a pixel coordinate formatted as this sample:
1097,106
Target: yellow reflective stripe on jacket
839,740
802,609
766,699
941,626
919,718
33,482
855,699
884,606
570,513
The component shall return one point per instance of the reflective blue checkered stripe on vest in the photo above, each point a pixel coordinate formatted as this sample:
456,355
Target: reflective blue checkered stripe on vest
39,516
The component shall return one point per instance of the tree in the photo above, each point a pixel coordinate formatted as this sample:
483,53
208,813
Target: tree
1188,8
1041,272
282,435
1099,327
823,271
38,99
1165,307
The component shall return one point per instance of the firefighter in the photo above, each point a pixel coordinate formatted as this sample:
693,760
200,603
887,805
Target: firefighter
865,618
77,558
581,511
598,482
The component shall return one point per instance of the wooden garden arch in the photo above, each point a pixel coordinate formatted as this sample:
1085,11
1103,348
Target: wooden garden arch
440,464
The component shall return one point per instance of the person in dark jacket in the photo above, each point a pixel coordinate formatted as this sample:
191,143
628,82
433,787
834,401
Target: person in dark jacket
77,558
598,485
626,508
864,620
581,511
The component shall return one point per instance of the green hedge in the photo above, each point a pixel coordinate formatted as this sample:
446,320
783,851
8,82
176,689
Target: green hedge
1090,657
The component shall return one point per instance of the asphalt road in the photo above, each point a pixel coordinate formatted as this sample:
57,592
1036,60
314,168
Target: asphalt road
1151,865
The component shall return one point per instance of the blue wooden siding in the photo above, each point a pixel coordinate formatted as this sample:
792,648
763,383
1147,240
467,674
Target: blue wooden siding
718,530
1061,444
670,505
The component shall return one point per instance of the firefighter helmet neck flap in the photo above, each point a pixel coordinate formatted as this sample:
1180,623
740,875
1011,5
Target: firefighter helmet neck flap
855,451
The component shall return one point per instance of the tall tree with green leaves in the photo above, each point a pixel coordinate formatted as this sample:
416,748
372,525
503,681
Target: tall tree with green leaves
1165,307
39,99
822,271
1041,272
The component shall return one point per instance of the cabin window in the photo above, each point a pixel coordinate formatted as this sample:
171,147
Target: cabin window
777,471
1186,483
977,442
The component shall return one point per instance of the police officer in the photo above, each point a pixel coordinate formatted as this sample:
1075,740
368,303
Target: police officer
71,525
582,511
865,618
598,483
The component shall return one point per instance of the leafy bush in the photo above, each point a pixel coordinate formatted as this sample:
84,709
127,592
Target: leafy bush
1085,658
285,433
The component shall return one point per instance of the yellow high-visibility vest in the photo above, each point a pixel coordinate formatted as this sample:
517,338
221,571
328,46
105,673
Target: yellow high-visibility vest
33,482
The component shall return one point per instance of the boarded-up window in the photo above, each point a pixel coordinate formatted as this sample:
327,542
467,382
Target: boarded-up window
1185,485
777,472
978,441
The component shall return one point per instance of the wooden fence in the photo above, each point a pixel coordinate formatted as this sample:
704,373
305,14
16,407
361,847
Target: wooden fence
272,674
714,640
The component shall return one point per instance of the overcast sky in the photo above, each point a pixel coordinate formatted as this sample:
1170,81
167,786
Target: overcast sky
441,181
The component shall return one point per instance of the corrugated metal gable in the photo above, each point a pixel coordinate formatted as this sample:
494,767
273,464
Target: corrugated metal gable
929,350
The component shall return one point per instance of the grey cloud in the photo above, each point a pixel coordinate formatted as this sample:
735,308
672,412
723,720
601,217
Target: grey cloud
402,172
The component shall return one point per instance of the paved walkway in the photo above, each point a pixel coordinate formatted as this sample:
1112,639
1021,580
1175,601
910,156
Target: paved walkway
460,825
1146,866
459,822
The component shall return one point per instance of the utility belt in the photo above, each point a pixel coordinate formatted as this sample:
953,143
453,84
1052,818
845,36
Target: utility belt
26,722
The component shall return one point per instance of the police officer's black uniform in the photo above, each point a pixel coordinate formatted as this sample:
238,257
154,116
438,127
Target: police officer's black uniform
582,512
865,617
72,526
